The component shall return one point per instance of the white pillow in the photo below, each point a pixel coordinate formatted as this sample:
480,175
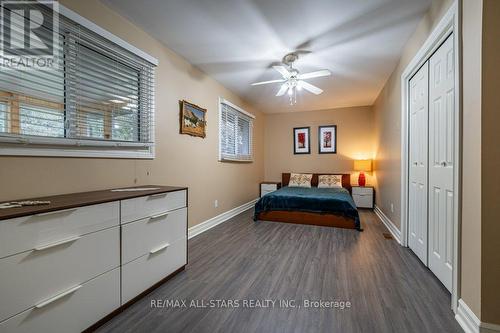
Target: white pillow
329,181
300,180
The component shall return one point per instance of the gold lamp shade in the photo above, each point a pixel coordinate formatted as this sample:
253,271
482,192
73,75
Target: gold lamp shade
363,165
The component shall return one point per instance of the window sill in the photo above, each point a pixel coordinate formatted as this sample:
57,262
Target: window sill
76,152
55,147
230,160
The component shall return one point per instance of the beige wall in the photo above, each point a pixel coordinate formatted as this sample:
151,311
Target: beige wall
480,262
471,155
481,159
387,109
355,134
180,159
490,163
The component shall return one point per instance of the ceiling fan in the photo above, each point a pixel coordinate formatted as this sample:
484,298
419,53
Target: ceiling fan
292,80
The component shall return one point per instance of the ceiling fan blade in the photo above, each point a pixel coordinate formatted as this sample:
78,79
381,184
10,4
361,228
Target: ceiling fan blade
267,82
309,87
283,89
320,73
283,71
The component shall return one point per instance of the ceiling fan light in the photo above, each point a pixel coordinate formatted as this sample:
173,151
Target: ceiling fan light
290,91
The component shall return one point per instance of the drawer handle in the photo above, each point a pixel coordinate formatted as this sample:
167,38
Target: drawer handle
158,249
57,212
58,296
158,195
157,216
61,242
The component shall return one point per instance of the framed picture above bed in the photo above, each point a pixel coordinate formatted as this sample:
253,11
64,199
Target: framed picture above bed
327,139
301,140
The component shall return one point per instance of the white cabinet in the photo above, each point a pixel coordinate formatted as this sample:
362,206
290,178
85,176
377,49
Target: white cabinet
64,270
363,196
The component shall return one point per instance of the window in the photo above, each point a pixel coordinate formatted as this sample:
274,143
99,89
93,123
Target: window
124,126
41,121
92,126
3,116
99,97
235,133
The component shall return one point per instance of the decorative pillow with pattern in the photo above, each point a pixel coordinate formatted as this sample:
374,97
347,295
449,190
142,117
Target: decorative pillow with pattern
300,180
329,181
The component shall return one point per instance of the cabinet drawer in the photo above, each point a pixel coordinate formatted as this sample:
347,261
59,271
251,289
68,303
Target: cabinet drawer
362,190
263,193
34,276
25,233
71,313
268,187
139,237
142,207
363,200
144,272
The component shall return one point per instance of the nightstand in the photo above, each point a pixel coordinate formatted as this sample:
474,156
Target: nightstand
268,187
363,196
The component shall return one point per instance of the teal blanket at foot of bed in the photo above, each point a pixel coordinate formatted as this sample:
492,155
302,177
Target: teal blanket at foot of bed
313,200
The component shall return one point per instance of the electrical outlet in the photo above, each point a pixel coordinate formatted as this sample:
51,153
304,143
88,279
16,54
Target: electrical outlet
216,203
392,207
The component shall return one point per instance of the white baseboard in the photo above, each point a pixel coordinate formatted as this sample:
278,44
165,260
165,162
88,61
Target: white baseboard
210,223
388,224
466,318
470,322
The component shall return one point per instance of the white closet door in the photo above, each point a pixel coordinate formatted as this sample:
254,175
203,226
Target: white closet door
441,161
418,150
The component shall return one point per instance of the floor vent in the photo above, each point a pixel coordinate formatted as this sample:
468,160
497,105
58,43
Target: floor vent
387,235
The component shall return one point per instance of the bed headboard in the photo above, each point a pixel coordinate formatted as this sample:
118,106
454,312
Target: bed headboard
346,179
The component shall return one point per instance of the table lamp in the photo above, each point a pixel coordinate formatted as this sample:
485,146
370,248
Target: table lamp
362,166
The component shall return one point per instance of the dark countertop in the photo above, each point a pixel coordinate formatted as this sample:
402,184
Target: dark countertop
73,200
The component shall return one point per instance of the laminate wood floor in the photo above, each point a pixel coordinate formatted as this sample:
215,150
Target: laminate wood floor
387,286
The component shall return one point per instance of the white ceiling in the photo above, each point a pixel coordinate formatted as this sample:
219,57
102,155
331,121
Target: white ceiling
236,42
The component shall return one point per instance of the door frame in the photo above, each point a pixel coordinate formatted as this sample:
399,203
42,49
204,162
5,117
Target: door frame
450,23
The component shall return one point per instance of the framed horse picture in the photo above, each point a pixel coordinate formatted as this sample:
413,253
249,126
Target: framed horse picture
192,119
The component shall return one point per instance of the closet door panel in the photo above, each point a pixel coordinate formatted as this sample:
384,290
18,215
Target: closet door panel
441,164
418,150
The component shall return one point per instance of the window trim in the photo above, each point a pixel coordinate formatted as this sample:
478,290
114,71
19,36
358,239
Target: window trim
221,159
64,11
21,145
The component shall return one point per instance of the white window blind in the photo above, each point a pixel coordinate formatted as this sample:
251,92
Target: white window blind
100,95
235,133
3,116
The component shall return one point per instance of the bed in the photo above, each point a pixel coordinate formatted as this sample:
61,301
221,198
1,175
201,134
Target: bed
332,207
